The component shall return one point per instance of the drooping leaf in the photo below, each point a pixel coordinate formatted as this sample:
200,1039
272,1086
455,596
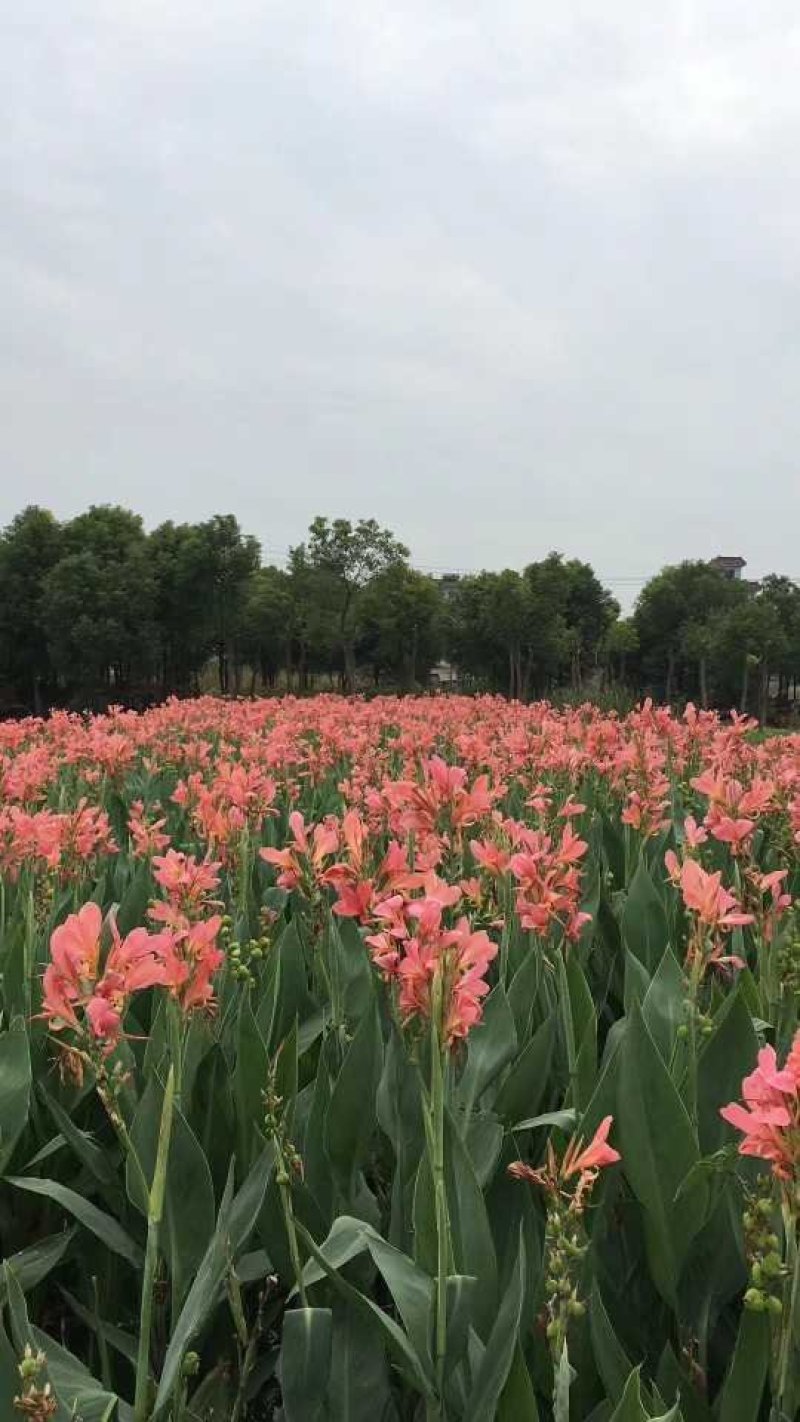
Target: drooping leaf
103,1225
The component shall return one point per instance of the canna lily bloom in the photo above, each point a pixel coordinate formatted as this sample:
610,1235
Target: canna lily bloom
769,1120
583,1162
597,1154
704,895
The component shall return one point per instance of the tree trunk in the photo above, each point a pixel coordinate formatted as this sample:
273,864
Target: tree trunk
670,676
349,666
764,697
703,684
745,685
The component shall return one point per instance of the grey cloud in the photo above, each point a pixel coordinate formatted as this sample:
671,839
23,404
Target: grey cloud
506,277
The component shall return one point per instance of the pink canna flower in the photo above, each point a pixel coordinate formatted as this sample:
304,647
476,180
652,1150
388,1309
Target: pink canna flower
769,1120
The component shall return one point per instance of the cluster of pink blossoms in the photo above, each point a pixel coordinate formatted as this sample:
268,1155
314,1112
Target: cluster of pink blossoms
74,982
181,957
770,1117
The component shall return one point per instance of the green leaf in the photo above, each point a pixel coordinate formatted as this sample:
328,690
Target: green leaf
350,1118
726,1057
562,1120
518,1399
397,1341
496,1361
491,1046
77,1392
358,1389
529,1078
235,1222
250,1078
15,1087
133,906
189,1192
33,1264
564,1374
645,930
104,1226
410,1287
630,1407
581,1029
662,1006
743,1389
124,1343
96,1160
658,1152
293,1000
460,1305
305,1362
523,991
613,1363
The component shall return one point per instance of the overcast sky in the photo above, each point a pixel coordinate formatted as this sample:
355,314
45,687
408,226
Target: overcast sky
506,275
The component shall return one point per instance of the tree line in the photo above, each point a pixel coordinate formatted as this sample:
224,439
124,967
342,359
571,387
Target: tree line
96,610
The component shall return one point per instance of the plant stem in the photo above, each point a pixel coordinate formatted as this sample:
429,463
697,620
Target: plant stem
175,1036
155,1210
285,1193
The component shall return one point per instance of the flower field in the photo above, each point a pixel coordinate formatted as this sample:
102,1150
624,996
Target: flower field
402,1059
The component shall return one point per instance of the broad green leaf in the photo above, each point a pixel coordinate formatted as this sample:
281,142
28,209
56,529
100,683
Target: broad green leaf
529,1078
235,1222
662,1007
410,1287
523,991
496,1362
250,1079
350,1118
726,1057
645,930
305,1362
613,1363
518,1399
460,1306
743,1389
15,1087
189,1199
659,1150
358,1388
104,1226
396,1339
133,906
491,1046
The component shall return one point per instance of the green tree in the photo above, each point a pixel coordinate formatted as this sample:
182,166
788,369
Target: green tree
179,560
671,611
29,548
344,557
748,639
401,624
266,624
98,603
231,559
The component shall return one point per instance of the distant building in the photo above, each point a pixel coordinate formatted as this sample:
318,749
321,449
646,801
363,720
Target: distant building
730,568
448,585
444,676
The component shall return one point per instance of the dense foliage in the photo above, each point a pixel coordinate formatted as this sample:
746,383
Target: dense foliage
96,612
399,1059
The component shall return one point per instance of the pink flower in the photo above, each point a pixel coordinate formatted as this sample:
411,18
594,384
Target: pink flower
770,1118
